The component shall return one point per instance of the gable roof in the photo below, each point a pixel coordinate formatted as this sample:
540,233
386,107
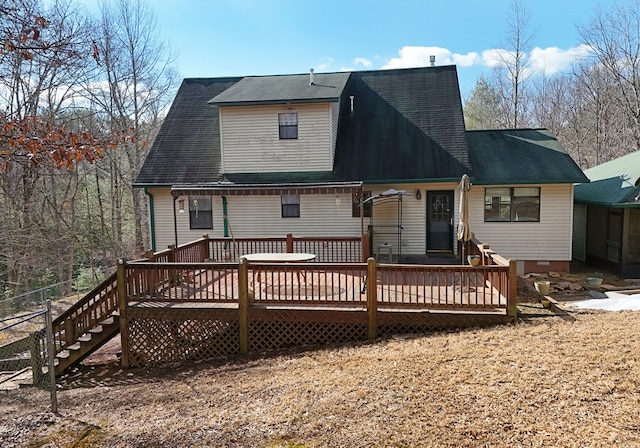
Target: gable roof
282,89
406,125
521,156
402,125
187,147
615,183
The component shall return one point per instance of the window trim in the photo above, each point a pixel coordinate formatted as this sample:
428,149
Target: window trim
290,209
287,129
194,207
512,204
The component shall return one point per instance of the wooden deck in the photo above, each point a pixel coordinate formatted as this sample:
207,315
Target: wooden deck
337,290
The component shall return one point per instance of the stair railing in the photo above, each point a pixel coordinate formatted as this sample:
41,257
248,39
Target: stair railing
93,308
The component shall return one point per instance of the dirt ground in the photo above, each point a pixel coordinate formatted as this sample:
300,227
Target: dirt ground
553,379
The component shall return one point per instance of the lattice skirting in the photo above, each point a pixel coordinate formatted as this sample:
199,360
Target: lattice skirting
390,324
180,335
167,335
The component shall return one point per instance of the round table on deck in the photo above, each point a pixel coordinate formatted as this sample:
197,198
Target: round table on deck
274,257
268,257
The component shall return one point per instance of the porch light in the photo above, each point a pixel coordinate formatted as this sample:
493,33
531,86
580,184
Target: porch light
418,194
181,206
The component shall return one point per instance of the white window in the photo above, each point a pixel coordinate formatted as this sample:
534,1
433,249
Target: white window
288,125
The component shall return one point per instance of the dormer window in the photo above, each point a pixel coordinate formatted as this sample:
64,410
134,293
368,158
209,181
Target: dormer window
288,125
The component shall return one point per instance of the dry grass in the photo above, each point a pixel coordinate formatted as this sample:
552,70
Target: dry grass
547,382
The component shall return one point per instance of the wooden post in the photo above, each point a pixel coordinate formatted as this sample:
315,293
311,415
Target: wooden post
171,258
289,243
243,305
365,246
512,291
122,307
206,253
372,299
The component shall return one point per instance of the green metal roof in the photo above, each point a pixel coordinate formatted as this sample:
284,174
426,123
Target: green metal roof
282,89
615,183
521,156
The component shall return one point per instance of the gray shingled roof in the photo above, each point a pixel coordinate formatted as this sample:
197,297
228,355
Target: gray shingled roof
326,87
521,156
405,125
187,147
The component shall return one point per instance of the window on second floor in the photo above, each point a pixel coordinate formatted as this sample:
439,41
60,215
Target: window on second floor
515,204
355,204
290,205
288,125
200,212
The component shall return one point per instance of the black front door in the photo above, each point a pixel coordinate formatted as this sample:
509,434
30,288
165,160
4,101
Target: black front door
440,221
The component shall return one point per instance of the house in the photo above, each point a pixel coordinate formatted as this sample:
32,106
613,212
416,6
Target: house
607,217
302,154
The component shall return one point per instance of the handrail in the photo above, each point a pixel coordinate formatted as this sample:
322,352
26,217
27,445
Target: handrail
93,308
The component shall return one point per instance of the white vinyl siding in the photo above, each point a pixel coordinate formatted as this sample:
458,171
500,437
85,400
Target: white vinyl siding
547,240
331,215
259,216
385,218
251,142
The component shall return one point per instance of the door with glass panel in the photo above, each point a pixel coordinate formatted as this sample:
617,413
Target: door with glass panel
440,221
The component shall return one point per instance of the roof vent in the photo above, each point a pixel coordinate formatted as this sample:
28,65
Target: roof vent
351,97
432,60
310,76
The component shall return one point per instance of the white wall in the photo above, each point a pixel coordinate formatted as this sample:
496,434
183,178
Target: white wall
250,139
330,215
257,216
547,240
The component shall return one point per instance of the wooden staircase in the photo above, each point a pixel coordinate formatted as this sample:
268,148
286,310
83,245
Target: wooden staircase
87,325
87,343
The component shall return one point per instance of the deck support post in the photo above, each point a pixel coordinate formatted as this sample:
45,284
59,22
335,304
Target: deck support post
122,306
372,299
205,253
243,305
364,244
289,243
512,290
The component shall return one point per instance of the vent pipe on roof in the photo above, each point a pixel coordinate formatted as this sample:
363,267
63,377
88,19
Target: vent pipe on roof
351,98
432,60
310,76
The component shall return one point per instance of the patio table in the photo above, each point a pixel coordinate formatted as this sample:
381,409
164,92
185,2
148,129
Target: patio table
279,257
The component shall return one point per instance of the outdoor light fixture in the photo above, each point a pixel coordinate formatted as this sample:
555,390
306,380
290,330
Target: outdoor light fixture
181,206
418,194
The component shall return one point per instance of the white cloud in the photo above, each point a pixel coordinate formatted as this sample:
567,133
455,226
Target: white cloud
363,62
548,60
413,56
553,59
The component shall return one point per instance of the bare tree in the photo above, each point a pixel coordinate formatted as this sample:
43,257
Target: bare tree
140,78
614,39
44,49
512,68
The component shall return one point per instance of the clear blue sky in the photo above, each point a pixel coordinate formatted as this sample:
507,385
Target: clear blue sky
261,37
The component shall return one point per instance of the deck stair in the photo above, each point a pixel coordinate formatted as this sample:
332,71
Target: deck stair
87,325
87,343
